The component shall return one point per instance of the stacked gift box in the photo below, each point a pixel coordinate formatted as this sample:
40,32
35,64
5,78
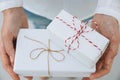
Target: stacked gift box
67,48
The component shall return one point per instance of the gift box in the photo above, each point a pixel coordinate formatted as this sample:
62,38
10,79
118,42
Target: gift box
37,55
85,44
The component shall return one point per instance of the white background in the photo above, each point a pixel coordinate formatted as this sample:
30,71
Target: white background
113,75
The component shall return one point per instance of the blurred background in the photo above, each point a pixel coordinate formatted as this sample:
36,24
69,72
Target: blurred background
113,75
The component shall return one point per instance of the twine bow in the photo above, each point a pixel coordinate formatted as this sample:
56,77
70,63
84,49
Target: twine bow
46,49
79,32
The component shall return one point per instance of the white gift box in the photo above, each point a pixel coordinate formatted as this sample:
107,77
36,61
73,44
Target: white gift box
81,41
35,56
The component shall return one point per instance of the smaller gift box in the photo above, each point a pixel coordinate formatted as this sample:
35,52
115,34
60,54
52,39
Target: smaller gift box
82,42
37,55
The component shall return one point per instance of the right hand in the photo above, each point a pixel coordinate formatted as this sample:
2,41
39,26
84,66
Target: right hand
109,27
13,20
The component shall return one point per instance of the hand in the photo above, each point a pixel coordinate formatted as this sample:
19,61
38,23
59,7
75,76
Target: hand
14,19
107,26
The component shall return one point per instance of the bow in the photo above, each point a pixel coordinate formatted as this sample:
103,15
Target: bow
79,32
46,49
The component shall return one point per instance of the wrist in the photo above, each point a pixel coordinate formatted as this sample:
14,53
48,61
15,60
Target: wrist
13,11
110,12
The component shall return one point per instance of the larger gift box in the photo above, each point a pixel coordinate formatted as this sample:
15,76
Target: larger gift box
37,55
77,38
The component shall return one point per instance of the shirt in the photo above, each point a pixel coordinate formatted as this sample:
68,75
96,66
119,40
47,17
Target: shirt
80,8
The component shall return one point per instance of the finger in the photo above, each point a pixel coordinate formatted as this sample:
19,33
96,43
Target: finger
106,66
12,74
105,69
44,78
86,78
6,64
112,51
29,77
9,47
99,64
101,61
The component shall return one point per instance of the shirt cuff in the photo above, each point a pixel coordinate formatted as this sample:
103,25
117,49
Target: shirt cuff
108,11
10,4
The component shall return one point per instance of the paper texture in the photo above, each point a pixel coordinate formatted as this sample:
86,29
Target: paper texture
26,66
91,44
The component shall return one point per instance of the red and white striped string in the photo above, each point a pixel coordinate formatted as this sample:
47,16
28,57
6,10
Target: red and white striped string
79,32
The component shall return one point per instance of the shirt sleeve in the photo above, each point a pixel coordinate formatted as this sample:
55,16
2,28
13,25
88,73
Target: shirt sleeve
6,4
109,7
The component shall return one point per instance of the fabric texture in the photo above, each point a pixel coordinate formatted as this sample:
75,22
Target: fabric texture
6,4
50,9
109,7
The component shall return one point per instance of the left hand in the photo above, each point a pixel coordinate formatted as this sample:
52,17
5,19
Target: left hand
13,20
107,26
